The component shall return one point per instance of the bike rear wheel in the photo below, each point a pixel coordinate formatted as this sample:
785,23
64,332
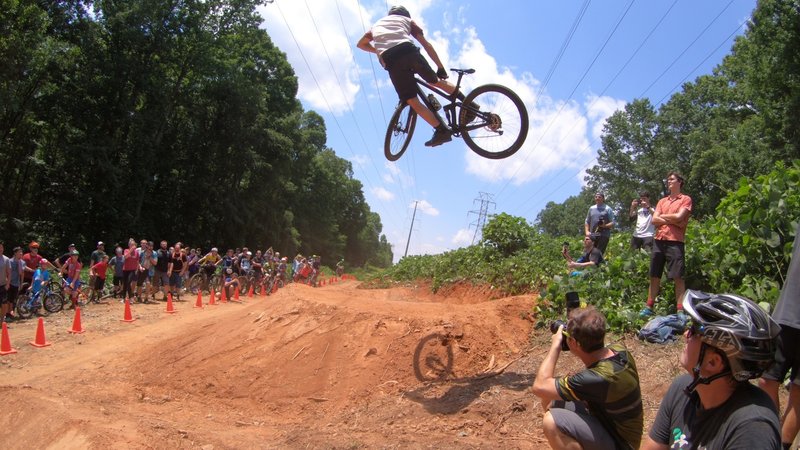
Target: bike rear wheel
195,284
399,132
493,121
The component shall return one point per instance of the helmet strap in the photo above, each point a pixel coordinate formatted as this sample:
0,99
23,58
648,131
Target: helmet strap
696,372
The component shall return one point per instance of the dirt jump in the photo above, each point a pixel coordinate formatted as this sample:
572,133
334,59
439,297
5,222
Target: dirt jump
329,367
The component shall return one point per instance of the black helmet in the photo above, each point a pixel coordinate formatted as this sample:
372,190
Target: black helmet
400,11
736,326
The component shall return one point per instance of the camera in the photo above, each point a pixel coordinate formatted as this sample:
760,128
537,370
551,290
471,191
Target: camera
554,329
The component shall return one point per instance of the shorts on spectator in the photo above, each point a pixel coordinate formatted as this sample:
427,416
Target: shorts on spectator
175,280
671,254
642,242
575,421
99,283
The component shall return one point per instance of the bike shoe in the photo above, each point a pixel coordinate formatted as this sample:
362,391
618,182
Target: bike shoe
440,136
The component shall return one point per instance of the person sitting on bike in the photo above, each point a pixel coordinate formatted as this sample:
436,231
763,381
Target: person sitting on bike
72,270
41,276
340,268
210,262
390,39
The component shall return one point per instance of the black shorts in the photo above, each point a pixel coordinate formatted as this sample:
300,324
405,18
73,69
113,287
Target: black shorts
402,72
142,277
99,283
669,253
642,242
787,357
3,294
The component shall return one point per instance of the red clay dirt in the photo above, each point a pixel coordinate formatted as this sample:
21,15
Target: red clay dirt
328,367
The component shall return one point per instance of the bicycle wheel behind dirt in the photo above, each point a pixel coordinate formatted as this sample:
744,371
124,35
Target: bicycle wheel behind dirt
399,132
493,121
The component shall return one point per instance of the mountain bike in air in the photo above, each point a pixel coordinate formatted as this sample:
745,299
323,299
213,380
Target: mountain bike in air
491,119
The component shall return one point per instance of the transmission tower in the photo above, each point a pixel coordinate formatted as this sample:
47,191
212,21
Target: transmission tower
486,200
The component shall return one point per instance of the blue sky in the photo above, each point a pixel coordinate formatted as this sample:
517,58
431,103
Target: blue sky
619,51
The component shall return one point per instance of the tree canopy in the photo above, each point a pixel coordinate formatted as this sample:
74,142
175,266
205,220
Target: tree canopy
167,120
736,122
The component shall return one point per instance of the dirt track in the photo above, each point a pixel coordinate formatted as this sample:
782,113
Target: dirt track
332,367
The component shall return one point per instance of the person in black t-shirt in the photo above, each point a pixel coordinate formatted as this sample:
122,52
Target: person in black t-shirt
729,341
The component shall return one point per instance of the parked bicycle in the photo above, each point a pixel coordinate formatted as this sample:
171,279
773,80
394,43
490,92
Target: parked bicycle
491,119
205,279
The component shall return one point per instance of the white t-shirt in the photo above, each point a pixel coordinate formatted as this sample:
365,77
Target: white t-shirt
644,224
391,31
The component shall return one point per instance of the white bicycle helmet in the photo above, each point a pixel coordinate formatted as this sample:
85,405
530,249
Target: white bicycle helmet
737,327
400,11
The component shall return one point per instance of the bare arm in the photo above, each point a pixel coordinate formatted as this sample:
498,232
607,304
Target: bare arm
544,386
429,50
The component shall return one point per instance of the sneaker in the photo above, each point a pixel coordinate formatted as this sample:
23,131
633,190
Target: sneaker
440,136
646,312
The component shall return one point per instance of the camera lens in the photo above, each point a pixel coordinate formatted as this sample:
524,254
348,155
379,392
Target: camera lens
554,329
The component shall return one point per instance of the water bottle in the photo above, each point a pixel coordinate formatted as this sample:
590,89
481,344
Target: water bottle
434,102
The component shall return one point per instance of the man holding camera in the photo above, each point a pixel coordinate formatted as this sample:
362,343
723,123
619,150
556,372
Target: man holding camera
599,222
642,213
599,407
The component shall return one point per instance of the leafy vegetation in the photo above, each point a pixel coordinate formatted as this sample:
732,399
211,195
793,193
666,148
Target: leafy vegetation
169,120
744,248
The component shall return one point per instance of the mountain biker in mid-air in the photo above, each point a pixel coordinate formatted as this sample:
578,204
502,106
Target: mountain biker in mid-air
390,39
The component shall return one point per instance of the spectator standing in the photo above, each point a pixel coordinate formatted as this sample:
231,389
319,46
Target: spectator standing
118,263
72,271
787,356
5,283
16,281
730,340
61,260
161,278
599,222
599,407
642,213
176,269
670,219
94,258
129,268
145,271
98,273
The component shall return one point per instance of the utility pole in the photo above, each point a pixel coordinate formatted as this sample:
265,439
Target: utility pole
411,227
483,212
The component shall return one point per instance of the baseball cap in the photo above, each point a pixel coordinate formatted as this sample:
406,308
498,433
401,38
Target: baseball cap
99,243
33,244
74,252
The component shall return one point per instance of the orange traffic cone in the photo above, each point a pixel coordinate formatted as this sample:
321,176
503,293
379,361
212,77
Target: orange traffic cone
40,341
236,294
5,343
250,292
128,317
213,300
199,303
263,290
76,322
223,295
170,308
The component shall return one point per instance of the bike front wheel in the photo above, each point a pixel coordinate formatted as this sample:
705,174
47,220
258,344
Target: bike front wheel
53,302
493,121
25,306
399,132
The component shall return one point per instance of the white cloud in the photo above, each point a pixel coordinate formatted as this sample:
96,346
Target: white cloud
395,175
598,109
463,237
382,194
425,207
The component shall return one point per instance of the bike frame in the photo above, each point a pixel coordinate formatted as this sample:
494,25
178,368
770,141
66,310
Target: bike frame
449,109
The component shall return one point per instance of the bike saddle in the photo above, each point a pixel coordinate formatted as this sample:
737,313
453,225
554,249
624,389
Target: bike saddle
463,71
